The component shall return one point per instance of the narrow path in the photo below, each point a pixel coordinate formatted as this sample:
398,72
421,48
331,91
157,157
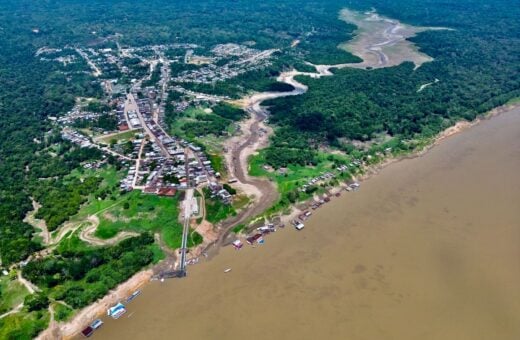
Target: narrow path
31,287
31,219
16,309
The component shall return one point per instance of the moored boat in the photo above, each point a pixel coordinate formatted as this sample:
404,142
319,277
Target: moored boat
96,324
133,296
116,311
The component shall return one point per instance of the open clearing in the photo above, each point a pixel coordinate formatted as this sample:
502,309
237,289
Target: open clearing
13,294
382,42
118,136
136,213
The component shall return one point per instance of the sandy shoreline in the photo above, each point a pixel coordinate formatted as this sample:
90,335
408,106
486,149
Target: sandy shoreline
67,330
459,127
370,171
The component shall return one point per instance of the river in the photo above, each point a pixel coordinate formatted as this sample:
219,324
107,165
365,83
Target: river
427,249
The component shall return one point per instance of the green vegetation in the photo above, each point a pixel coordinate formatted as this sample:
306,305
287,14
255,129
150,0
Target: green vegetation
155,76
292,178
23,326
195,122
96,106
475,63
239,228
216,210
140,212
257,80
195,239
217,162
63,198
122,136
12,293
79,277
515,100
106,122
228,111
36,302
158,254
362,104
72,243
62,312
59,201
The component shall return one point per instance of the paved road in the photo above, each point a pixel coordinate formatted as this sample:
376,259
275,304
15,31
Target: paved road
131,98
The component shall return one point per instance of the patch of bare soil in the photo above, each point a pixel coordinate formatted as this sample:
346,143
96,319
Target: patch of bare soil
382,42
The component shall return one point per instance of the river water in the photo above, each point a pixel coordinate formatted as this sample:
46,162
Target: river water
427,249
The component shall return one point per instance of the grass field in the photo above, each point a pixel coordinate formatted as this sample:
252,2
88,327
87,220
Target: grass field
217,162
72,243
12,293
216,211
295,177
23,325
138,212
110,175
122,136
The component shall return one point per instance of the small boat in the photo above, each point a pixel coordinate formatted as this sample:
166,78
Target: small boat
87,332
133,296
299,226
237,244
227,270
96,324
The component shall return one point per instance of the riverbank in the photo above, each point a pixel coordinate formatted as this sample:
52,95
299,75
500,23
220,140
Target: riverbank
372,170
459,127
417,247
83,318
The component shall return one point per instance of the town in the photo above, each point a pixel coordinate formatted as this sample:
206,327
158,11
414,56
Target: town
137,82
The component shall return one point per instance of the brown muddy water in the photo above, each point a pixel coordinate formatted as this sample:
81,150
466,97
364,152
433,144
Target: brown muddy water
427,249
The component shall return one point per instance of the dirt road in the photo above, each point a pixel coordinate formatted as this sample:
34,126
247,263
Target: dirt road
87,234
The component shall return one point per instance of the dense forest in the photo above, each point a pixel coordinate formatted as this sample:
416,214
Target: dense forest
476,65
83,276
